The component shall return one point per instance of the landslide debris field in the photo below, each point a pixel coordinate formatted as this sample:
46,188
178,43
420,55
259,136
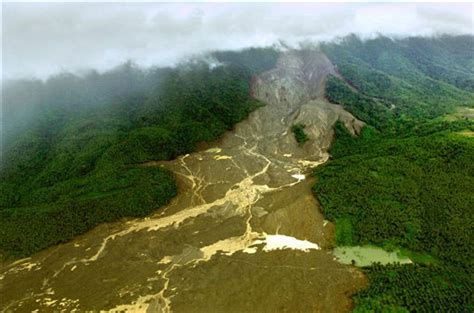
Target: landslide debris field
244,233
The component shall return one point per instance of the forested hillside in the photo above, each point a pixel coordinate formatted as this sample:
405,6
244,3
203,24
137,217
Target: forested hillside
408,180
73,144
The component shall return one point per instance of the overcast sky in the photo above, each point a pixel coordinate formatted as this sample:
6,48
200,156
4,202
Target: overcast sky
41,39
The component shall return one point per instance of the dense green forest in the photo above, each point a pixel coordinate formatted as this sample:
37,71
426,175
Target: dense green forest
407,181
73,144
415,288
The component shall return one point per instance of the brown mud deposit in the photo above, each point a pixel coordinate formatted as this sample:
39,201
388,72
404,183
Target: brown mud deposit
245,233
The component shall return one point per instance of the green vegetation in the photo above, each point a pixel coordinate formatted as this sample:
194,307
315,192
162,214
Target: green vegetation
415,288
384,86
344,232
73,145
415,192
407,181
300,135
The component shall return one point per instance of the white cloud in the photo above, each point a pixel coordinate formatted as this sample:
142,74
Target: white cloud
40,39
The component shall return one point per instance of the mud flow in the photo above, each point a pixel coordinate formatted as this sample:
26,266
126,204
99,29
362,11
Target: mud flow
245,233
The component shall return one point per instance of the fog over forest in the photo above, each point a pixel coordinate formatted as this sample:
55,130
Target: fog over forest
41,39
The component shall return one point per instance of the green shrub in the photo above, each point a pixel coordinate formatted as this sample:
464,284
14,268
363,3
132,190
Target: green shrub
300,135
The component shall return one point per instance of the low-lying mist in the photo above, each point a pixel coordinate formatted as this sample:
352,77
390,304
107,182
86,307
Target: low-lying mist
28,104
41,39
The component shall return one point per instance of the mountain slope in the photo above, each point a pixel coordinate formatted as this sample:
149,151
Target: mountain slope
407,182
